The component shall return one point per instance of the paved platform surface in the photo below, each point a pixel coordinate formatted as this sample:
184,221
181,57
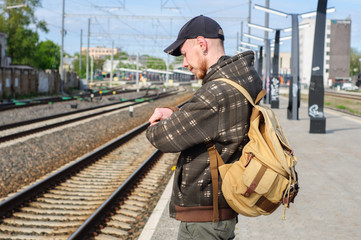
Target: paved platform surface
329,202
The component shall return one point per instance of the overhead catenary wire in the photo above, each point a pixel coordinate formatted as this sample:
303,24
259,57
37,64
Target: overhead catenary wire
129,24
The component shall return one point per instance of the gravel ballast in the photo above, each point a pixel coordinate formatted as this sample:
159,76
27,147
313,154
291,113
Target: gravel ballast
24,162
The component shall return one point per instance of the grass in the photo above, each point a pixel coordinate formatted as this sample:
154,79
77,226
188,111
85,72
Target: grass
351,106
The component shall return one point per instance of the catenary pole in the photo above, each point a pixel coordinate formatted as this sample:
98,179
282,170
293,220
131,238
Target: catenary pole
87,53
249,19
111,65
62,50
81,45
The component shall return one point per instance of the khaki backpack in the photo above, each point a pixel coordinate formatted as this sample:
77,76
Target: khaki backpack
264,177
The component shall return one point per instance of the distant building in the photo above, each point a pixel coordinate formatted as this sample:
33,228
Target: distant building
340,49
100,52
284,64
107,66
336,53
67,63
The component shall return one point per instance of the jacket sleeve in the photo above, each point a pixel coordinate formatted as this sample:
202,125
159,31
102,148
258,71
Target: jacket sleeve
196,122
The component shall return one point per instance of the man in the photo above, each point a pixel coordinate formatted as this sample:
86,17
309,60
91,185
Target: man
217,113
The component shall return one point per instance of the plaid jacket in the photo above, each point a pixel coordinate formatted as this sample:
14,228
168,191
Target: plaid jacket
219,113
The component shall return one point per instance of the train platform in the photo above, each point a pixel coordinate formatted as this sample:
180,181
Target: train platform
328,204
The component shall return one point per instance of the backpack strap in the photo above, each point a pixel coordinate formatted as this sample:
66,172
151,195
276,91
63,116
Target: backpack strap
214,157
245,93
215,161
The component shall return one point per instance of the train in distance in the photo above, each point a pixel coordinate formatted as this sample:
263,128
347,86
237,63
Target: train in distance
149,75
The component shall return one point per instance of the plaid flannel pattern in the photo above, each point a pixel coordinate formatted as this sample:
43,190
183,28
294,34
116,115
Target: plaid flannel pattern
217,112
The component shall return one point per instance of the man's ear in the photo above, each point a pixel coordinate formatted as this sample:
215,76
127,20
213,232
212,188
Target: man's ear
202,43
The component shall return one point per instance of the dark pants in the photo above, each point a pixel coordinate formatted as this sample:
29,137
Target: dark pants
222,230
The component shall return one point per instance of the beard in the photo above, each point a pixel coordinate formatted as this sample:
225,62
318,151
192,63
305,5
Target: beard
201,71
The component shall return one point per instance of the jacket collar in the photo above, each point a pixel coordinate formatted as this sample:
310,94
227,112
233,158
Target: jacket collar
226,64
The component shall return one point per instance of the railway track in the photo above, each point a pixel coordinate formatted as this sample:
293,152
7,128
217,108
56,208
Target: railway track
20,129
353,99
107,194
346,95
14,104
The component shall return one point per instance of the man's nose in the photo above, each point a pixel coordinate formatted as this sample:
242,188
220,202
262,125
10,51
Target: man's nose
185,63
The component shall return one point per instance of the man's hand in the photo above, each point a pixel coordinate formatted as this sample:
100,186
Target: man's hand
160,114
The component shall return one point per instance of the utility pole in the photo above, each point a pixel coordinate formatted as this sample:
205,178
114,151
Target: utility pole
241,31
111,65
249,19
91,68
62,50
87,53
167,75
137,73
81,44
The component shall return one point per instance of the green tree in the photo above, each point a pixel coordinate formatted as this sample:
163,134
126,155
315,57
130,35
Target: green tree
355,62
21,40
82,73
47,55
98,64
121,56
156,63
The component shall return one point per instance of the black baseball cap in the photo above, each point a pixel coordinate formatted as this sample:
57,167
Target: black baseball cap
198,26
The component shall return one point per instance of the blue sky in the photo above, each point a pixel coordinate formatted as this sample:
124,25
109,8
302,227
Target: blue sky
139,33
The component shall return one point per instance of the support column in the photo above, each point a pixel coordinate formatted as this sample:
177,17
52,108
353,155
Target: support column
260,62
267,75
275,82
294,91
316,90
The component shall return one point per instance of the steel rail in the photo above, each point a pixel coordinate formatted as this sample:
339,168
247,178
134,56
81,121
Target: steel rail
49,126
352,95
10,204
39,101
98,217
26,122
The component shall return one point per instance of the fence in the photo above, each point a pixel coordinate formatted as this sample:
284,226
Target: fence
15,82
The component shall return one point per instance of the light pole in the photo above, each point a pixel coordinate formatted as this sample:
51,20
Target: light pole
111,65
267,71
260,61
81,44
316,90
275,82
62,50
294,90
257,60
87,54
272,81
